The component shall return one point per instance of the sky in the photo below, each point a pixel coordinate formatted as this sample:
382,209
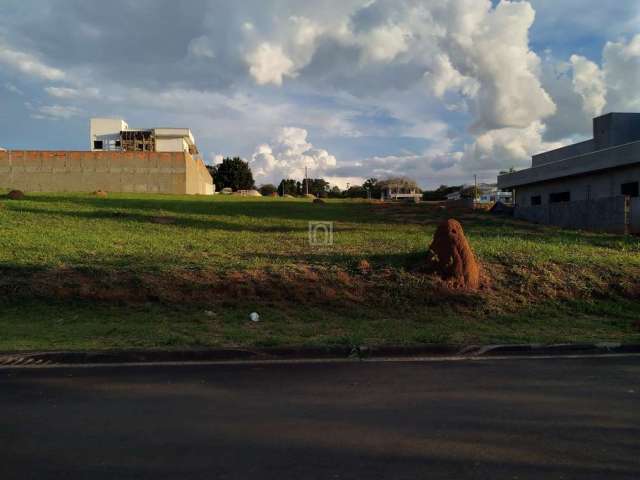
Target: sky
437,90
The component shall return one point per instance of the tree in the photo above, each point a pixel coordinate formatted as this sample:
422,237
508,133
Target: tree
440,193
356,191
317,186
335,192
268,189
373,187
287,187
233,173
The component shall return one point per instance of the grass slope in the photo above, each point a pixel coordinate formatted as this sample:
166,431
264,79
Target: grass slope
150,270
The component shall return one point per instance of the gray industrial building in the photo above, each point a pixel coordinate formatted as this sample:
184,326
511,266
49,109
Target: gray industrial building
591,185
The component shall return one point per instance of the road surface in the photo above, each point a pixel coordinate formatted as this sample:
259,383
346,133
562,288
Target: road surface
494,419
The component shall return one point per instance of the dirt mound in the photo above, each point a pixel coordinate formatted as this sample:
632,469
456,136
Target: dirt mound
100,193
364,267
15,195
451,257
318,201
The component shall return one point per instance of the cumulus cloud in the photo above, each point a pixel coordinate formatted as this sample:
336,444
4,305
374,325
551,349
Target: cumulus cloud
589,83
507,147
28,64
434,89
443,77
495,51
621,64
269,64
288,155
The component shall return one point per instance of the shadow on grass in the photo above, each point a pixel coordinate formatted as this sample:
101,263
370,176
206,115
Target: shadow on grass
257,208
186,222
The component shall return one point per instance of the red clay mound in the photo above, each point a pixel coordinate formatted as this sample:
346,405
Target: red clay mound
15,195
451,257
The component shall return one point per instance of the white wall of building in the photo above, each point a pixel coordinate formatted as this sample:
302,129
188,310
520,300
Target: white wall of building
107,131
165,144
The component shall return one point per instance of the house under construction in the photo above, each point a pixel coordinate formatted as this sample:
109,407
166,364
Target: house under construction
121,159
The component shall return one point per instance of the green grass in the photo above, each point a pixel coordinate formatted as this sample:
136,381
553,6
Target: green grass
547,284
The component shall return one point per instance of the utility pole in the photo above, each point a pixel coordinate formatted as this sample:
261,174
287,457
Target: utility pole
306,181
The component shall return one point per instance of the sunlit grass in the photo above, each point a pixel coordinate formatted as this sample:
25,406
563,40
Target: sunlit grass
225,234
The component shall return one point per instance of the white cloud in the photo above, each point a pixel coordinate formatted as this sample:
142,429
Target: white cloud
269,64
383,44
54,112
72,93
29,64
589,83
507,147
621,64
499,58
288,155
443,77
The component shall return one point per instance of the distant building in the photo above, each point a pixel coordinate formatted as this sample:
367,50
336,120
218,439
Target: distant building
159,160
109,134
400,188
491,194
457,195
591,185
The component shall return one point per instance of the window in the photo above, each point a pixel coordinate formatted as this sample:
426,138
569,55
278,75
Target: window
536,200
630,189
97,144
560,197
118,143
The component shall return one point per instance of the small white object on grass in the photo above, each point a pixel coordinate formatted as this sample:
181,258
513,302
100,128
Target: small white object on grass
254,317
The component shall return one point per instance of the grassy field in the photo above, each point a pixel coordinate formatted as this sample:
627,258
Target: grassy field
161,271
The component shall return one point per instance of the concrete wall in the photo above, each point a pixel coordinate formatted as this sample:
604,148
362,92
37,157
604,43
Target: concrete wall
604,214
616,129
562,153
198,178
64,171
584,187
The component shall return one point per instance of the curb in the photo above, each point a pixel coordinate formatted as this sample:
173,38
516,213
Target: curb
303,353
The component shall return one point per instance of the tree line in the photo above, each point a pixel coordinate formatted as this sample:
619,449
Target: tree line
236,174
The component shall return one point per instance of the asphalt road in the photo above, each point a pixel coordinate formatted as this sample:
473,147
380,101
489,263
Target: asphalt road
554,418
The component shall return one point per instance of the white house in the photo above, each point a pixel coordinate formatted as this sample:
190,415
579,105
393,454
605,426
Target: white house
493,195
110,134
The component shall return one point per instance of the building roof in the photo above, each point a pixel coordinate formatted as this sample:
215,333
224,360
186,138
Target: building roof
615,143
619,156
